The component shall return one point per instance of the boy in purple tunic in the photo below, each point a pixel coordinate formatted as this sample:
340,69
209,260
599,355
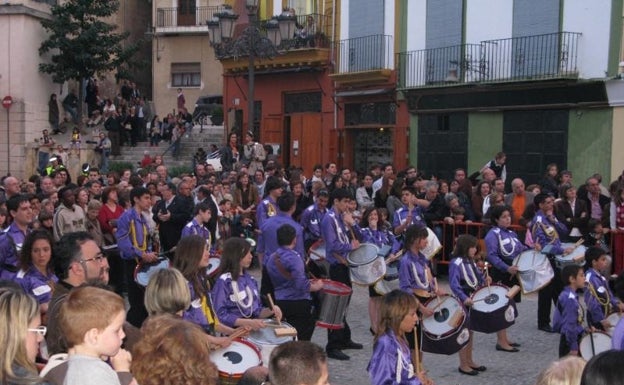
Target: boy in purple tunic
598,297
569,314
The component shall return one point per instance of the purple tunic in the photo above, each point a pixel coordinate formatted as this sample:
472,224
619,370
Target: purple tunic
195,228
124,238
617,338
230,307
335,235
11,241
194,313
462,270
546,233
311,219
400,217
36,284
295,288
568,317
380,238
266,209
391,363
267,244
502,247
410,264
596,284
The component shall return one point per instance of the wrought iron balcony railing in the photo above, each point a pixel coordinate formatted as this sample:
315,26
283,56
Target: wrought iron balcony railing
185,16
547,56
312,31
365,54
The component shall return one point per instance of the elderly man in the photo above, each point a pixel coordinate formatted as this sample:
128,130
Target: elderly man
171,214
518,200
11,186
594,199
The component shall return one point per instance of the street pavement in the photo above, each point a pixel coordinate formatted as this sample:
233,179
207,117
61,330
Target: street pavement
537,351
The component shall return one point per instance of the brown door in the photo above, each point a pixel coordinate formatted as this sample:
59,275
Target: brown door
305,140
273,134
186,12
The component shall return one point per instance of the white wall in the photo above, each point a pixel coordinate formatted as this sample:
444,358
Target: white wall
416,24
389,23
488,20
344,20
593,20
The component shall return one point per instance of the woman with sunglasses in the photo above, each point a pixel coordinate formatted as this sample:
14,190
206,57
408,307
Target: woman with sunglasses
36,275
20,335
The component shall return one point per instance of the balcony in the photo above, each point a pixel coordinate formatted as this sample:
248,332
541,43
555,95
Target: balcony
548,56
185,19
365,59
309,48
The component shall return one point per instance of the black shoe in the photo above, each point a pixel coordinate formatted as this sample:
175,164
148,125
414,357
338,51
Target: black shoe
470,373
515,344
546,328
337,355
479,368
512,350
352,345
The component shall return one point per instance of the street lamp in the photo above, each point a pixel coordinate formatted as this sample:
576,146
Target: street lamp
254,42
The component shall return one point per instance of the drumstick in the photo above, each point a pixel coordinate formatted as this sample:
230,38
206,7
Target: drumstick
579,242
273,308
238,333
416,351
435,282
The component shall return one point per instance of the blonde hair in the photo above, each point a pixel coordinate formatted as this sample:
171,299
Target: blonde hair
394,307
87,308
566,371
167,293
172,351
17,310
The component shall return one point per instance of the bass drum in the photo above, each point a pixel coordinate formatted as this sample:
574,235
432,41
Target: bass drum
445,332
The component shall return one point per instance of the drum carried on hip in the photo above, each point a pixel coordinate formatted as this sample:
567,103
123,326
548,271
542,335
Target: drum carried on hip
390,281
234,360
266,339
433,245
143,271
445,331
534,270
492,308
365,265
318,251
594,343
576,257
334,301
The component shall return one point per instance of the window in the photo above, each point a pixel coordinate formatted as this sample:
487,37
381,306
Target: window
185,74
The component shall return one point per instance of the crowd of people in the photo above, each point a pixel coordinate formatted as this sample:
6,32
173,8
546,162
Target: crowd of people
155,239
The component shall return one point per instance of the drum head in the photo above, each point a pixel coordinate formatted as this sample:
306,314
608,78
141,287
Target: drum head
613,319
384,250
213,266
594,343
366,253
448,316
527,260
488,299
384,286
433,245
143,272
317,251
370,273
236,358
266,336
335,288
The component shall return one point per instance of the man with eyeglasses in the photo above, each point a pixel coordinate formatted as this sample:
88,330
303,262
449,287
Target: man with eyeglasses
77,260
12,238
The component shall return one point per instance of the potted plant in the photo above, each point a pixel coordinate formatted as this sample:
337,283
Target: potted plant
217,116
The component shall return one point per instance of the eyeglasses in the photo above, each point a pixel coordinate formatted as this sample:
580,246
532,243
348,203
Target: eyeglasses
40,330
98,258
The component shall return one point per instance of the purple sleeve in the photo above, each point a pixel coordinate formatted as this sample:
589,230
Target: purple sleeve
128,251
294,264
222,304
261,214
492,247
570,327
540,237
194,313
299,247
455,279
382,367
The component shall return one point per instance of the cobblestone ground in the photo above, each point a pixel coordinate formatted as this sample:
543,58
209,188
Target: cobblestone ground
537,351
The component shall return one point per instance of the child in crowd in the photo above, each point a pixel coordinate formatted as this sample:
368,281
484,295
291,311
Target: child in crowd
599,298
391,362
464,279
75,140
569,314
91,320
595,236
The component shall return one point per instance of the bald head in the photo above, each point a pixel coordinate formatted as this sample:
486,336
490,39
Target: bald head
517,185
11,186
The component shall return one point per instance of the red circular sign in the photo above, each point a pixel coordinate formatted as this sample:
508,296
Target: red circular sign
7,102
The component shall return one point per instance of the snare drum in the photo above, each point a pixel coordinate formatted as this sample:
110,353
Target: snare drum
613,319
534,270
143,271
384,251
576,257
266,340
334,301
491,309
444,332
317,251
234,360
433,245
212,270
365,266
594,343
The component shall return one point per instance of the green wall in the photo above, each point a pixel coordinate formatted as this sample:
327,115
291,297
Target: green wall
485,138
413,139
589,143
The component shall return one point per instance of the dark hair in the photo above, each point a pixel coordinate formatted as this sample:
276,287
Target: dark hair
285,234
25,259
106,192
340,194
414,233
593,254
540,198
463,244
234,250
14,202
604,369
201,206
496,211
592,223
138,192
188,254
286,201
67,251
367,213
569,271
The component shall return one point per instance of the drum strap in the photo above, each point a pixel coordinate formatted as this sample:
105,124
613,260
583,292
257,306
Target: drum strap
606,302
280,266
207,310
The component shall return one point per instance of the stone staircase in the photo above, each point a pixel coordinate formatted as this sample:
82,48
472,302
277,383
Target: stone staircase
188,146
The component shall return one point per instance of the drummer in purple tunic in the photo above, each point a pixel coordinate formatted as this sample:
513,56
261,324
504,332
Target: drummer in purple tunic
12,238
35,275
617,336
408,215
503,245
599,299
197,226
235,295
391,362
569,314
312,217
372,231
464,279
